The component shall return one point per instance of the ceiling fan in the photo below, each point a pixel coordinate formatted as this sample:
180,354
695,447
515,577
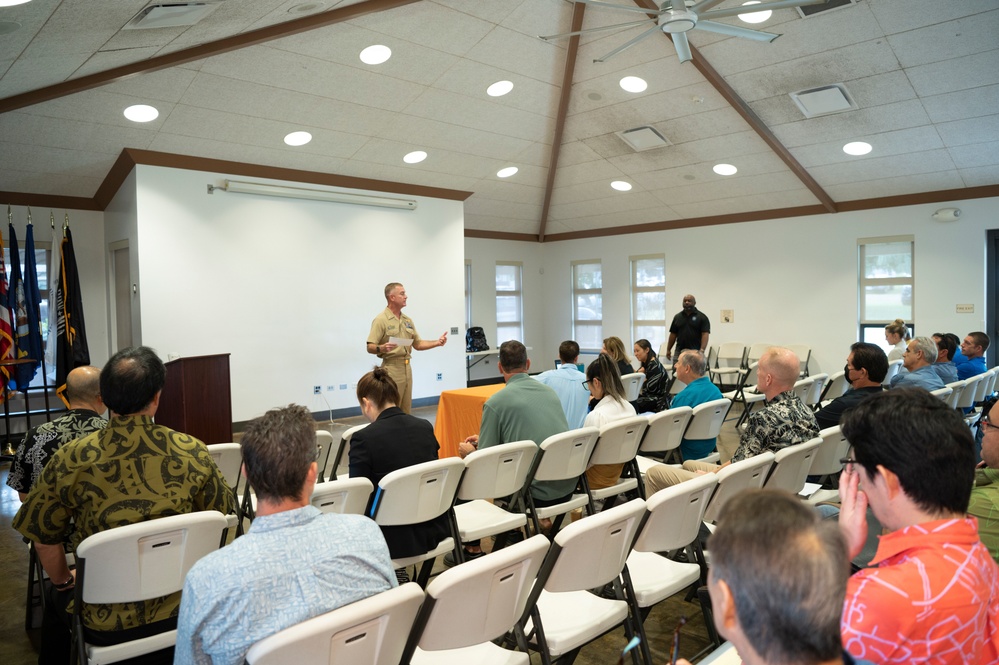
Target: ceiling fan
675,18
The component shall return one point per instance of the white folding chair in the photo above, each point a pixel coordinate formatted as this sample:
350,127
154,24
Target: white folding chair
417,494
706,422
633,384
731,357
893,367
745,391
956,390
755,351
737,476
492,473
563,615
324,444
139,562
801,388
372,631
792,465
345,496
804,353
341,461
836,386
485,597
561,457
942,393
618,444
813,398
672,523
969,392
663,435
228,457
826,462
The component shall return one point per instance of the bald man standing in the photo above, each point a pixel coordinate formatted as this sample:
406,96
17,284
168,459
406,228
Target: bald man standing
83,390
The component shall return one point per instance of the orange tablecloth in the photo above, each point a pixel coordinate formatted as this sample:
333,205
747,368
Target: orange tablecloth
459,414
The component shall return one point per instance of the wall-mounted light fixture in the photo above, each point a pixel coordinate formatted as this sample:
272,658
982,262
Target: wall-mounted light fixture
947,214
264,189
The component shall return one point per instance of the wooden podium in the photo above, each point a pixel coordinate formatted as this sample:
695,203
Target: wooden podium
197,398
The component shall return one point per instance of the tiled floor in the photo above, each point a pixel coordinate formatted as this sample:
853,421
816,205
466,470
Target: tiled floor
19,647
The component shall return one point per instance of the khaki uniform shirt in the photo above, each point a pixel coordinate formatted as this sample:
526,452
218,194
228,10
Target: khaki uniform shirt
132,471
388,325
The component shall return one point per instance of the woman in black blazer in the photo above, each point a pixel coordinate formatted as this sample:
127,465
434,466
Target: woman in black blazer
393,440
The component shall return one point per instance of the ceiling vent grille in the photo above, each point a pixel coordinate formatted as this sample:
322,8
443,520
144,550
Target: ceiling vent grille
171,15
825,100
643,138
827,6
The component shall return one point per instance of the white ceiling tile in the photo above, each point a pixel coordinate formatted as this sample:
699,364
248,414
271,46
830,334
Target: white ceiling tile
510,190
48,159
972,130
729,187
975,155
904,15
606,205
969,71
909,184
105,60
31,73
196,146
472,78
491,208
930,161
480,114
31,129
493,11
622,218
963,104
517,52
980,177
500,224
597,171
49,183
421,22
945,40
862,122
166,84
904,141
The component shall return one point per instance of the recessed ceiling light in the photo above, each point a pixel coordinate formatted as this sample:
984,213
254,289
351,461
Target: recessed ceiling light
857,148
376,55
141,113
507,172
298,138
499,88
11,3
621,185
755,17
634,84
415,157
724,169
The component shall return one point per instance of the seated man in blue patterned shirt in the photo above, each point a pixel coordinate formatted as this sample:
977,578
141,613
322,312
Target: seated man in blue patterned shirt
293,564
918,359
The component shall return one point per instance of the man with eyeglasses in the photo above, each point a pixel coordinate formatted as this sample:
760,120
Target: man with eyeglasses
866,368
931,594
984,505
918,359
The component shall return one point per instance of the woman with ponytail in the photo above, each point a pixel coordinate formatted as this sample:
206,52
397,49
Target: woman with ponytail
604,381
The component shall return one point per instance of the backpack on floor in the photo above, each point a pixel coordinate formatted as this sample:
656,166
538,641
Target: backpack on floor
475,339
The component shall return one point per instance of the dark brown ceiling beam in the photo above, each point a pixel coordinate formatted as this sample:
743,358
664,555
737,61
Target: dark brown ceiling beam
251,38
563,109
743,109
500,235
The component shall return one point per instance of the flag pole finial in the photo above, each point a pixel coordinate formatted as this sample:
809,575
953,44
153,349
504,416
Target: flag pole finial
52,220
10,215
29,214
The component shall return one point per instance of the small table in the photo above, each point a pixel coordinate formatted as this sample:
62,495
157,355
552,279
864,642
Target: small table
459,415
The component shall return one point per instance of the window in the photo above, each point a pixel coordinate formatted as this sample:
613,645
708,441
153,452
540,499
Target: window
509,302
648,298
468,294
885,285
587,304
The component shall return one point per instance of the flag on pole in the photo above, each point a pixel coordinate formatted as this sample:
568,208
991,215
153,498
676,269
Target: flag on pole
6,332
24,304
71,336
54,281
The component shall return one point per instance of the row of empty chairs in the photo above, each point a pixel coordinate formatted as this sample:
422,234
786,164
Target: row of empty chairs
730,357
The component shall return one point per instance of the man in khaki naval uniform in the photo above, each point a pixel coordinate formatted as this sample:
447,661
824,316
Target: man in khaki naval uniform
395,359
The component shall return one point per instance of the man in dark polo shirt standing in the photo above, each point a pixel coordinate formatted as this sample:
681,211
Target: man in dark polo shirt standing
690,329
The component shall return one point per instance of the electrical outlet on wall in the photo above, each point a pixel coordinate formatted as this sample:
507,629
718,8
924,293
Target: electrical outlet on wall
440,377
317,390
454,330
330,388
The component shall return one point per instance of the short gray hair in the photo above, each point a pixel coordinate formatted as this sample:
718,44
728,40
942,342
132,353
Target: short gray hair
693,360
927,347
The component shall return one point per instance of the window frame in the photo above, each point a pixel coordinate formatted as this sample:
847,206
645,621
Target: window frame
518,293
636,290
468,294
576,292
865,323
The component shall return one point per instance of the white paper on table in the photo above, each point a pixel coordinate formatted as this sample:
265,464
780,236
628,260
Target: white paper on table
398,341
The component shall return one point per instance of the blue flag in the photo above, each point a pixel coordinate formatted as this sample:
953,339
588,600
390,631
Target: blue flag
33,299
17,300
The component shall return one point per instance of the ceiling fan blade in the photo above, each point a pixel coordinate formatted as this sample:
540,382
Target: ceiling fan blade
630,24
736,31
682,47
705,5
629,44
743,9
627,8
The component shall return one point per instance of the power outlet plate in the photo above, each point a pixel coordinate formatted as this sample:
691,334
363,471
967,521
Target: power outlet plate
454,330
317,390
440,377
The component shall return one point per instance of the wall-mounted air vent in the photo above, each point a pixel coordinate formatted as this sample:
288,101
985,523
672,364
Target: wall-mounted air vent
171,15
827,6
643,138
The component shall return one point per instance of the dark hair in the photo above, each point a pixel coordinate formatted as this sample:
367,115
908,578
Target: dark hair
898,327
605,369
644,343
278,448
945,343
954,338
980,339
921,440
513,356
872,358
693,359
568,351
131,379
378,387
787,570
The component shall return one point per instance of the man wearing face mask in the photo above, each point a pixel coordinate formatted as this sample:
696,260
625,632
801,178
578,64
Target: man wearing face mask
866,367
690,330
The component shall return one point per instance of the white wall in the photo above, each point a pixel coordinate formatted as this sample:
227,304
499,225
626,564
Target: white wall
121,225
789,281
289,288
